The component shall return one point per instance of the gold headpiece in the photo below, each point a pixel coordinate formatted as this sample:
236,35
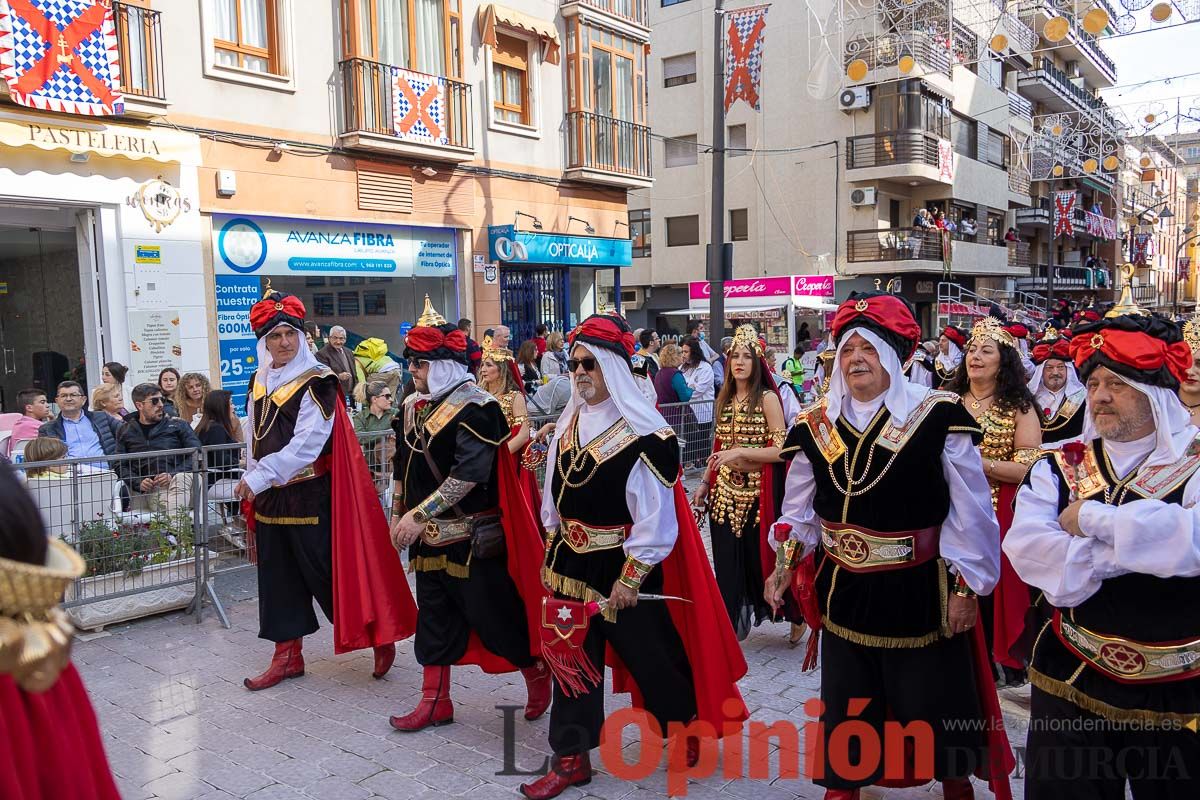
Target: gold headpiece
1125,303
268,290
430,318
990,328
1191,334
35,634
492,353
746,336
1050,335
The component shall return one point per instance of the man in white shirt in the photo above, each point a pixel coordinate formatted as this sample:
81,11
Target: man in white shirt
1107,528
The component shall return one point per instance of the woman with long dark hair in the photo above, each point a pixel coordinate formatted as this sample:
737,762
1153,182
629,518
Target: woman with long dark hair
701,379
219,426
991,383
742,485
527,358
50,743
168,382
498,376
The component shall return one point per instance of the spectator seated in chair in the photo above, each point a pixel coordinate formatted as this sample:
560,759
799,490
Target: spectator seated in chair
164,481
87,433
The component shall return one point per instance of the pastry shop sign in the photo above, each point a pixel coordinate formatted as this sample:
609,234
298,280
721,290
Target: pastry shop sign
98,138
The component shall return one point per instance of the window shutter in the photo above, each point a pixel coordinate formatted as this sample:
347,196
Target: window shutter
385,191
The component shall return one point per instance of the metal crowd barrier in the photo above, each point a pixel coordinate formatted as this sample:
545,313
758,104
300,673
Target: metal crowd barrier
155,529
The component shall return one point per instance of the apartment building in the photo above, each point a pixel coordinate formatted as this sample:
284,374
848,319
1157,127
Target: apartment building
916,105
1187,147
359,154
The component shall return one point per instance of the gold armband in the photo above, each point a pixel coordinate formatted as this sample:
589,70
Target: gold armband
634,572
1026,455
961,588
778,436
788,555
430,507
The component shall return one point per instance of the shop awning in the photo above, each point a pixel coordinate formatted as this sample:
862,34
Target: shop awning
103,139
494,14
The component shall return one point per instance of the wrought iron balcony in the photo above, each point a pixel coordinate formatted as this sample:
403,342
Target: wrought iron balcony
894,244
635,11
606,150
891,148
139,47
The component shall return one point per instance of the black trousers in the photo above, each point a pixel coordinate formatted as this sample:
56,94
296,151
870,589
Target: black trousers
645,639
295,567
485,602
934,684
1072,754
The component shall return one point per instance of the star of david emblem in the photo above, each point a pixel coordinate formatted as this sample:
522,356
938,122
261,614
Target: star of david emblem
1121,659
576,536
854,548
564,614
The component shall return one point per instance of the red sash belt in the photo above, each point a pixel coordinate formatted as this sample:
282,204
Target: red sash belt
1128,660
864,550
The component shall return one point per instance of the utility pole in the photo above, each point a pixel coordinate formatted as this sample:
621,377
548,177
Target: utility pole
716,227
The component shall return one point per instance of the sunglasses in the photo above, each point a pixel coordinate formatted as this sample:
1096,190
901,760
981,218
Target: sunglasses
154,401
588,364
385,396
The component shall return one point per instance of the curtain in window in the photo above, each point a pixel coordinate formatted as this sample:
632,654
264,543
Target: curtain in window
602,81
623,96
226,20
254,23
431,39
387,41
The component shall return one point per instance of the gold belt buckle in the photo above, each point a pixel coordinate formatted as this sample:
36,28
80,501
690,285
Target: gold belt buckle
1130,660
584,539
859,549
446,532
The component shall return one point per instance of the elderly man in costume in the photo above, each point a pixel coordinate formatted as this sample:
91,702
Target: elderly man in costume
318,529
1107,527
950,354
1061,398
620,528
473,536
896,581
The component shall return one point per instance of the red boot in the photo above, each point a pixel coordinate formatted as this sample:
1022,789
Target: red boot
385,656
288,662
435,707
958,789
537,683
841,794
564,771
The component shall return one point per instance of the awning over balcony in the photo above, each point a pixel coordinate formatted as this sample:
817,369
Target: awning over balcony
494,14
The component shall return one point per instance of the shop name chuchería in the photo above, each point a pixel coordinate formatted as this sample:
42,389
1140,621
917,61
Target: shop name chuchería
94,140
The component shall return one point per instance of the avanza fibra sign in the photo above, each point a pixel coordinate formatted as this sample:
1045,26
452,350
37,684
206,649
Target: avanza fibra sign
508,245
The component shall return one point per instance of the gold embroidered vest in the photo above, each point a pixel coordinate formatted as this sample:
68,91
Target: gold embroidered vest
735,492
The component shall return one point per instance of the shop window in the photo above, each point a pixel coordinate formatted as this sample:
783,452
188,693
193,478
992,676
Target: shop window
339,280
680,151
421,35
347,304
510,79
246,36
679,70
314,281
374,303
322,304
356,281
639,232
739,225
683,231
735,141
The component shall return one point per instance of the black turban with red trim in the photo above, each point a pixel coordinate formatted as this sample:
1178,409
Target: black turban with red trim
609,331
1145,349
437,343
276,309
1058,348
886,315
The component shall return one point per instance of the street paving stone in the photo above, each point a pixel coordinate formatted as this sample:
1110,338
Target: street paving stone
178,725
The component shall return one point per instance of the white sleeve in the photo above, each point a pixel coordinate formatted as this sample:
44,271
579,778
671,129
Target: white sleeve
705,378
248,436
312,431
1069,569
970,537
549,511
1149,536
920,376
797,511
652,506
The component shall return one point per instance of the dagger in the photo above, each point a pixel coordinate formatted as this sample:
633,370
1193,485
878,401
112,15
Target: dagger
594,607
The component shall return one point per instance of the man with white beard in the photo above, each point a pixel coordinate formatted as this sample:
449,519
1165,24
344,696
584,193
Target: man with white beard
1061,398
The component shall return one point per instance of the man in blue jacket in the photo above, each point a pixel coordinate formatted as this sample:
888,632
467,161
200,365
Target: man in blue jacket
87,433
165,480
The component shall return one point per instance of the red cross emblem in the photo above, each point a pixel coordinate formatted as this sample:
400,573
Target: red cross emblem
61,52
1064,204
1121,659
740,82
418,108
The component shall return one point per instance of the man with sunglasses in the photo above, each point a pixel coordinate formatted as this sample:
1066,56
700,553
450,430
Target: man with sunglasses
619,528
472,537
165,480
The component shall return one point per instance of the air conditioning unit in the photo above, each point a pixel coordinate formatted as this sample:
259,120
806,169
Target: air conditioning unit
863,197
854,98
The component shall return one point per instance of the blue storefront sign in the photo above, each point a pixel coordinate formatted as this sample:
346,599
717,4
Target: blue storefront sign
239,354
512,247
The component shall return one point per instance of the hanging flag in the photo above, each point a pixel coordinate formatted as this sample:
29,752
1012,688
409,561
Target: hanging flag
945,160
1064,206
419,106
61,55
1142,248
743,55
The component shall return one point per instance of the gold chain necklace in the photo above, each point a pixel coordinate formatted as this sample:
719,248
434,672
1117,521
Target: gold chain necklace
976,402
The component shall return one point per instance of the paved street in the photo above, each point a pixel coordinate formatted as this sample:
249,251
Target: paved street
178,724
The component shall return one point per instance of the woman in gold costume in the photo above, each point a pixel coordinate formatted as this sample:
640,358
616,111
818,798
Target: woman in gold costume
742,484
1189,390
50,745
498,376
991,383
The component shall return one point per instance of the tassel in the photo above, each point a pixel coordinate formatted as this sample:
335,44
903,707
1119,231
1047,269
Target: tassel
251,540
572,669
563,631
810,651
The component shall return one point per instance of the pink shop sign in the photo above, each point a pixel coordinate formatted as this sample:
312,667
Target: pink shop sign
746,288
812,285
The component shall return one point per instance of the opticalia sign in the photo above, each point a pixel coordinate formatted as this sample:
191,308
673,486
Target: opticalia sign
781,287
508,245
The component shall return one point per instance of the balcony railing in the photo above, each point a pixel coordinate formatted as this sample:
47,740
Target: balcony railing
1085,41
1018,254
1064,277
368,89
928,50
965,44
1051,75
139,45
894,244
1020,107
891,148
603,143
633,10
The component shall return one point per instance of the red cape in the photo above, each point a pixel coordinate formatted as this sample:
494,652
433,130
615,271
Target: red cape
50,744
526,551
528,480
1011,596
372,603
703,624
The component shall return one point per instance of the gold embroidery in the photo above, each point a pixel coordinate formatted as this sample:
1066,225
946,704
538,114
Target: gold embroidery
576,589
894,437
999,424
823,432
465,395
1064,691
287,520
439,564
735,492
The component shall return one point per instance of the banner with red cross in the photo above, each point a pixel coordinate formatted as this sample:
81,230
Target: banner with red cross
61,55
1143,247
1064,207
744,56
419,106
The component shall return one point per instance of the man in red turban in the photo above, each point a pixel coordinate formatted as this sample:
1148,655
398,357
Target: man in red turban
319,530
1061,398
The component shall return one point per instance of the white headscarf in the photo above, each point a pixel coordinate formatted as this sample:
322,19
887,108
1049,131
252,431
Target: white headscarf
635,406
271,378
1173,429
952,359
444,375
902,395
1073,383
